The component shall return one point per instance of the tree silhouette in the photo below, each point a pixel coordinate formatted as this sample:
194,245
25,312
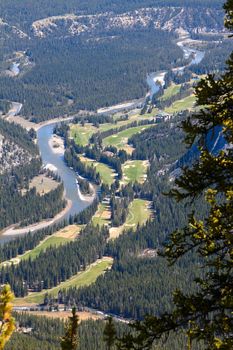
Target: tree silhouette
71,339
109,333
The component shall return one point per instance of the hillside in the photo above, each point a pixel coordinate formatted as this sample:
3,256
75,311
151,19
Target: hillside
16,147
169,19
96,47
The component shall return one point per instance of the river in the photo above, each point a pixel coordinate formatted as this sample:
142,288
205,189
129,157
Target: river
67,175
56,161
157,79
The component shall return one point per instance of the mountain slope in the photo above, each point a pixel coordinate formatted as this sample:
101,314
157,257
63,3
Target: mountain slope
166,18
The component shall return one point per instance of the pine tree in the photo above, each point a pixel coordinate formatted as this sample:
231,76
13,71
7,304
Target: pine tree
7,322
71,339
109,333
207,313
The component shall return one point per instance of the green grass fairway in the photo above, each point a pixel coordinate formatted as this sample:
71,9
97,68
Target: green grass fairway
107,174
84,278
63,236
186,103
81,134
139,213
48,242
120,139
134,170
170,91
102,216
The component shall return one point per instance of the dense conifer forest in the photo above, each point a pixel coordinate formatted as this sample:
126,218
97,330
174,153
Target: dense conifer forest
103,70
17,207
46,334
100,73
108,67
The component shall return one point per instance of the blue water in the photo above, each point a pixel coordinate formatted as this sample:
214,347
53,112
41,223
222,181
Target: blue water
151,78
67,175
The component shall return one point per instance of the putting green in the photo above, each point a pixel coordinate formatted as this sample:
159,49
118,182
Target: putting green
134,170
139,213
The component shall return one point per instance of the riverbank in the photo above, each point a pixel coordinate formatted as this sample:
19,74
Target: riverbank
13,231
52,150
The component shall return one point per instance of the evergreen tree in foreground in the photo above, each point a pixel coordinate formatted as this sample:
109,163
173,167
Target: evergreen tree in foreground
109,333
206,314
71,340
7,322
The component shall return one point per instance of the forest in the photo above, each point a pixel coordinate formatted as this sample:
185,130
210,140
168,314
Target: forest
112,292
66,261
11,8
100,73
46,334
56,264
139,282
21,208
108,67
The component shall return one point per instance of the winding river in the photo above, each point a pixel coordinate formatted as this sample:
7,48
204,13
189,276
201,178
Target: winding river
157,79
67,175
56,161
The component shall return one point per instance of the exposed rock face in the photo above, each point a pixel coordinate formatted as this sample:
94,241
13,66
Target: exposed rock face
11,30
165,18
12,155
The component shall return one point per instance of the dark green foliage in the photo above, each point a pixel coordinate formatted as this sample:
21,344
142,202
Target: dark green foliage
157,143
214,59
31,240
28,208
84,186
45,333
105,72
56,264
70,341
84,217
73,160
17,134
4,106
119,210
31,207
109,333
206,312
138,284
20,245
93,119
229,16
135,286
